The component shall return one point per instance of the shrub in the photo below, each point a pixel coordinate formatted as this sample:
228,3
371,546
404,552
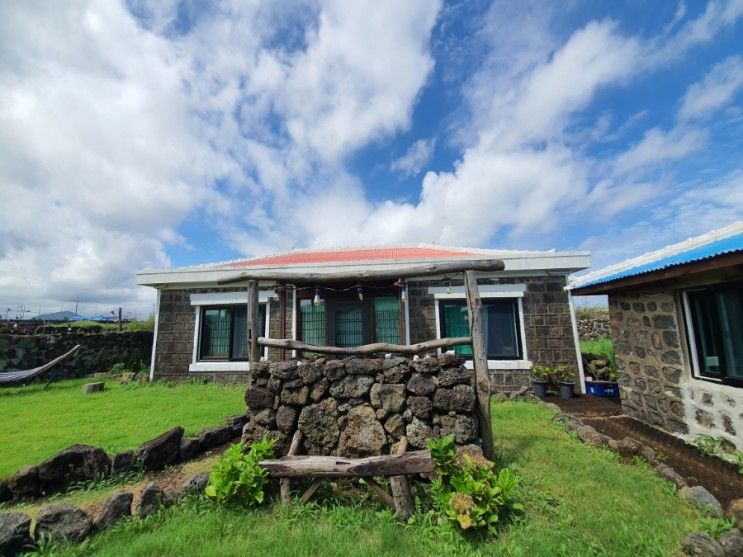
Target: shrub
544,372
468,493
237,479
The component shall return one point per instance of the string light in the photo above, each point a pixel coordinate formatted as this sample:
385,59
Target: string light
404,295
448,287
316,299
360,293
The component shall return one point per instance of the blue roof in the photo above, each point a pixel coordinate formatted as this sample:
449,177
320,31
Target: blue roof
714,248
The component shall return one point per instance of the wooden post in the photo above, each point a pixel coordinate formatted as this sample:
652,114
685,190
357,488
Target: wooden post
402,498
282,317
284,483
119,319
253,321
480,361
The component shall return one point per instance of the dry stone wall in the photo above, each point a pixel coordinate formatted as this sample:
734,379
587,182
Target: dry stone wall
591,328
360,407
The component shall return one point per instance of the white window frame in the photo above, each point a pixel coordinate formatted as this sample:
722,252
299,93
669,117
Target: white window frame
199,301
691,338
488,291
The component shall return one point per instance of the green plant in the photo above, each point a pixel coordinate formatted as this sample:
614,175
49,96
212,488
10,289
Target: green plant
708,444
739,460
544,372
468,493
237,478
716,526
119,368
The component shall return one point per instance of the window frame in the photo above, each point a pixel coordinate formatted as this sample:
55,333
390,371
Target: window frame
487,292
691,336
231,308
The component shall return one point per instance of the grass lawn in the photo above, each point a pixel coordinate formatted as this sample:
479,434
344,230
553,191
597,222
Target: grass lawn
38,422
579,501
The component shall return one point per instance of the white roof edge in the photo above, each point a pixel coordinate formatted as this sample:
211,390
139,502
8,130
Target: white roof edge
515,261
649,257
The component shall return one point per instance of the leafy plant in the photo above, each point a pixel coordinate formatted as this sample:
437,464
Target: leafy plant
716,526
708,444
468,493
237,479
119,368
739,460
544,372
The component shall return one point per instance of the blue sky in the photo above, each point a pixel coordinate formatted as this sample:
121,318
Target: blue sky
153,134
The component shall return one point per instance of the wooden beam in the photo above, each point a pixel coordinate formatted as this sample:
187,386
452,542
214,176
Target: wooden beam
415,462
284,483
419,270
253,321
401,496
380,492
310,491
366,349
480,361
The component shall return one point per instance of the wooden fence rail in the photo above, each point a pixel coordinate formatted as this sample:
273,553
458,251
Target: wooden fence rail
366,349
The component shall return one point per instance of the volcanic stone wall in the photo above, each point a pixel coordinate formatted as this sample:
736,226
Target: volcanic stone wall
360,407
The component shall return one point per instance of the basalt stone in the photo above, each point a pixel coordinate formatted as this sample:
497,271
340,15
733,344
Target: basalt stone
707,399
420,406
656,341
422,384
727,425
259,369
335,369
296,396
214,437
672,374
319,389
671,339
390,397
397,374
670,357
274,385
590,436
153,497
162,450
429,364
381,414
395,426
732,543
124,462
639,351
351,386
669,474
75,464
664,322
257,398
25,484
676,426
447,360
284,370
116,507
190,448
364,366
704,418
293,384
319,424
464,428
350,403
311,372
394,361
455,376
285,417
641,385
15,533
701,544
700,496
195,483
735,511
5,493
63,522
266,417
362,434
622,347
236,423
418,433
459,399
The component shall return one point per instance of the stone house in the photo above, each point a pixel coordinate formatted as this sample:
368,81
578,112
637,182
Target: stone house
677,321
200,327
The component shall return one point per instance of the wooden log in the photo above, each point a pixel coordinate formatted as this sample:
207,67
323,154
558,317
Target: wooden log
401,496
480,361
285,483
404,271
93,387
253,321
415,462
282,318
310,491
380,492
366,349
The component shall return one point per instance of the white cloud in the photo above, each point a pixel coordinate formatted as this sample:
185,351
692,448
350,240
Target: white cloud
417,156
717,89
657,147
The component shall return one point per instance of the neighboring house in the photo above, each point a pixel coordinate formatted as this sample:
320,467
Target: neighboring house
201,327
677,321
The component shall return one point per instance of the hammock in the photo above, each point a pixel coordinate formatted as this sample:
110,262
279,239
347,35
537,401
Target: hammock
23,375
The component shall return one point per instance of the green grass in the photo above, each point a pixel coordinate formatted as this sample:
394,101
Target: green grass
38,422
602,346
579,501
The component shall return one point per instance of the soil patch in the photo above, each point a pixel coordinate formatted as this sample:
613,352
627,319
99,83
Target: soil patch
719,477
588,406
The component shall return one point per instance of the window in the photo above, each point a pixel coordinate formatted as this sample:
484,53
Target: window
500,319
715,324
345,321
224,332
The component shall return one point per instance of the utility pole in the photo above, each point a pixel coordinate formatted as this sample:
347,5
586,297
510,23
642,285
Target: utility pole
119,319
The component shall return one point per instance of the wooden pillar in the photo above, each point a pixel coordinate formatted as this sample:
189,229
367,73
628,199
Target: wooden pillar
401,495
282,317
253,322
480,361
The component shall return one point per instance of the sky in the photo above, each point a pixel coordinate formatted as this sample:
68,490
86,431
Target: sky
151,134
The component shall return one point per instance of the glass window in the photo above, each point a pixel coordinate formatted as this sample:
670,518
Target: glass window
500,319
349,327
387,319
224,332
313,322
716,316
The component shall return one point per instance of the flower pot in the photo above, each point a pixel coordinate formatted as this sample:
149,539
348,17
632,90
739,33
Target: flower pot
566,389
539,388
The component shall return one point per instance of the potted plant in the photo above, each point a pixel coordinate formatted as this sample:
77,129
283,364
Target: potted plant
540,380
567,381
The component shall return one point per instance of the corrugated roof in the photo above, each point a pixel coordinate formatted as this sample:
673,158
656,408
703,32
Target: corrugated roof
714,244
388,253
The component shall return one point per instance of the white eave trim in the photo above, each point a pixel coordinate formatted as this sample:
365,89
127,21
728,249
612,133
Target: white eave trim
486,291
227,298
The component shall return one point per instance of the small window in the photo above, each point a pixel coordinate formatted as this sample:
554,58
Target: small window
716,323
500,320
224,332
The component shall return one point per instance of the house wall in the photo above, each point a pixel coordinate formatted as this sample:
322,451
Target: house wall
547,328
655,375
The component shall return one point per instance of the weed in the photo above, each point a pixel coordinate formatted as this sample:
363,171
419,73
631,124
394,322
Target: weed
716,526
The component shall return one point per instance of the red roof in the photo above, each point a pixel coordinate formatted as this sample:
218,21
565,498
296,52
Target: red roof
400,253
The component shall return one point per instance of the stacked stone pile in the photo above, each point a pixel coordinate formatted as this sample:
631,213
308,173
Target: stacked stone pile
591,328
596,367
360,407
